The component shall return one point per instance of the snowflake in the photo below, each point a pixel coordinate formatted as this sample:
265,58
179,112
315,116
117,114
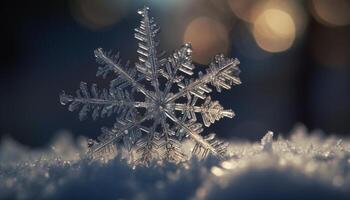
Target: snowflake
156,102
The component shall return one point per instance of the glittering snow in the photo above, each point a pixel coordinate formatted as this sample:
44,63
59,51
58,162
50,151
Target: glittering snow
304,166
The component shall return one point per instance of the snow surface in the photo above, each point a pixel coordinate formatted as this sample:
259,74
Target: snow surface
304,166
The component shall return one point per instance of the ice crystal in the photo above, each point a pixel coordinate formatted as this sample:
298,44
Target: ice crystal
156,101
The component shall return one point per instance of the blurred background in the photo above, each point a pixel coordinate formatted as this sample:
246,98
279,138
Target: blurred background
295,60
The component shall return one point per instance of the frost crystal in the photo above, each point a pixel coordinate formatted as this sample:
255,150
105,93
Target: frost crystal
266,141
156,101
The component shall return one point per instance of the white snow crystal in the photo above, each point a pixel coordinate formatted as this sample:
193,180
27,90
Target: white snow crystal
266,141
156,125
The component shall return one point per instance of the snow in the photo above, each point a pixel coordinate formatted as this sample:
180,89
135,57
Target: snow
302,166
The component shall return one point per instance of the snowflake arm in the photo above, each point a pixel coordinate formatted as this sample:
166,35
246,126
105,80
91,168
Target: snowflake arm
101,104
203,146
172,147
209,110
222,74
149,63
147,147
111,136
180,60
103,58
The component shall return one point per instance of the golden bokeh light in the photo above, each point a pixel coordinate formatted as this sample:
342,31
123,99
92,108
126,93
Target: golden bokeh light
331,12
294,9
208,38
245,9
97,14
274,30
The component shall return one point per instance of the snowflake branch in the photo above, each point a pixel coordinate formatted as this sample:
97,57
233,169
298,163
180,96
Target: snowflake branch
210,110
147,146
114,135
100,103
180,60
194,134
222,74
173,151
117,68
149,64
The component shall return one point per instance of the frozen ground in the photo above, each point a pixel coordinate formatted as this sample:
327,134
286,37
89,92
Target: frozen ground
304,166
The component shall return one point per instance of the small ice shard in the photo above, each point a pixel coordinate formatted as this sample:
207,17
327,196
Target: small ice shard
266,142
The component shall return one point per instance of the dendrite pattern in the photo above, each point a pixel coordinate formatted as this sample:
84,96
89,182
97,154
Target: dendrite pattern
156,101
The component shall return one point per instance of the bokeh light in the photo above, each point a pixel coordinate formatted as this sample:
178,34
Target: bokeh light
274,30
244,9
294,9
208,38
331,12
97,14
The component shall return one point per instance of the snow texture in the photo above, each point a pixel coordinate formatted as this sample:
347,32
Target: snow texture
304,166
156,101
